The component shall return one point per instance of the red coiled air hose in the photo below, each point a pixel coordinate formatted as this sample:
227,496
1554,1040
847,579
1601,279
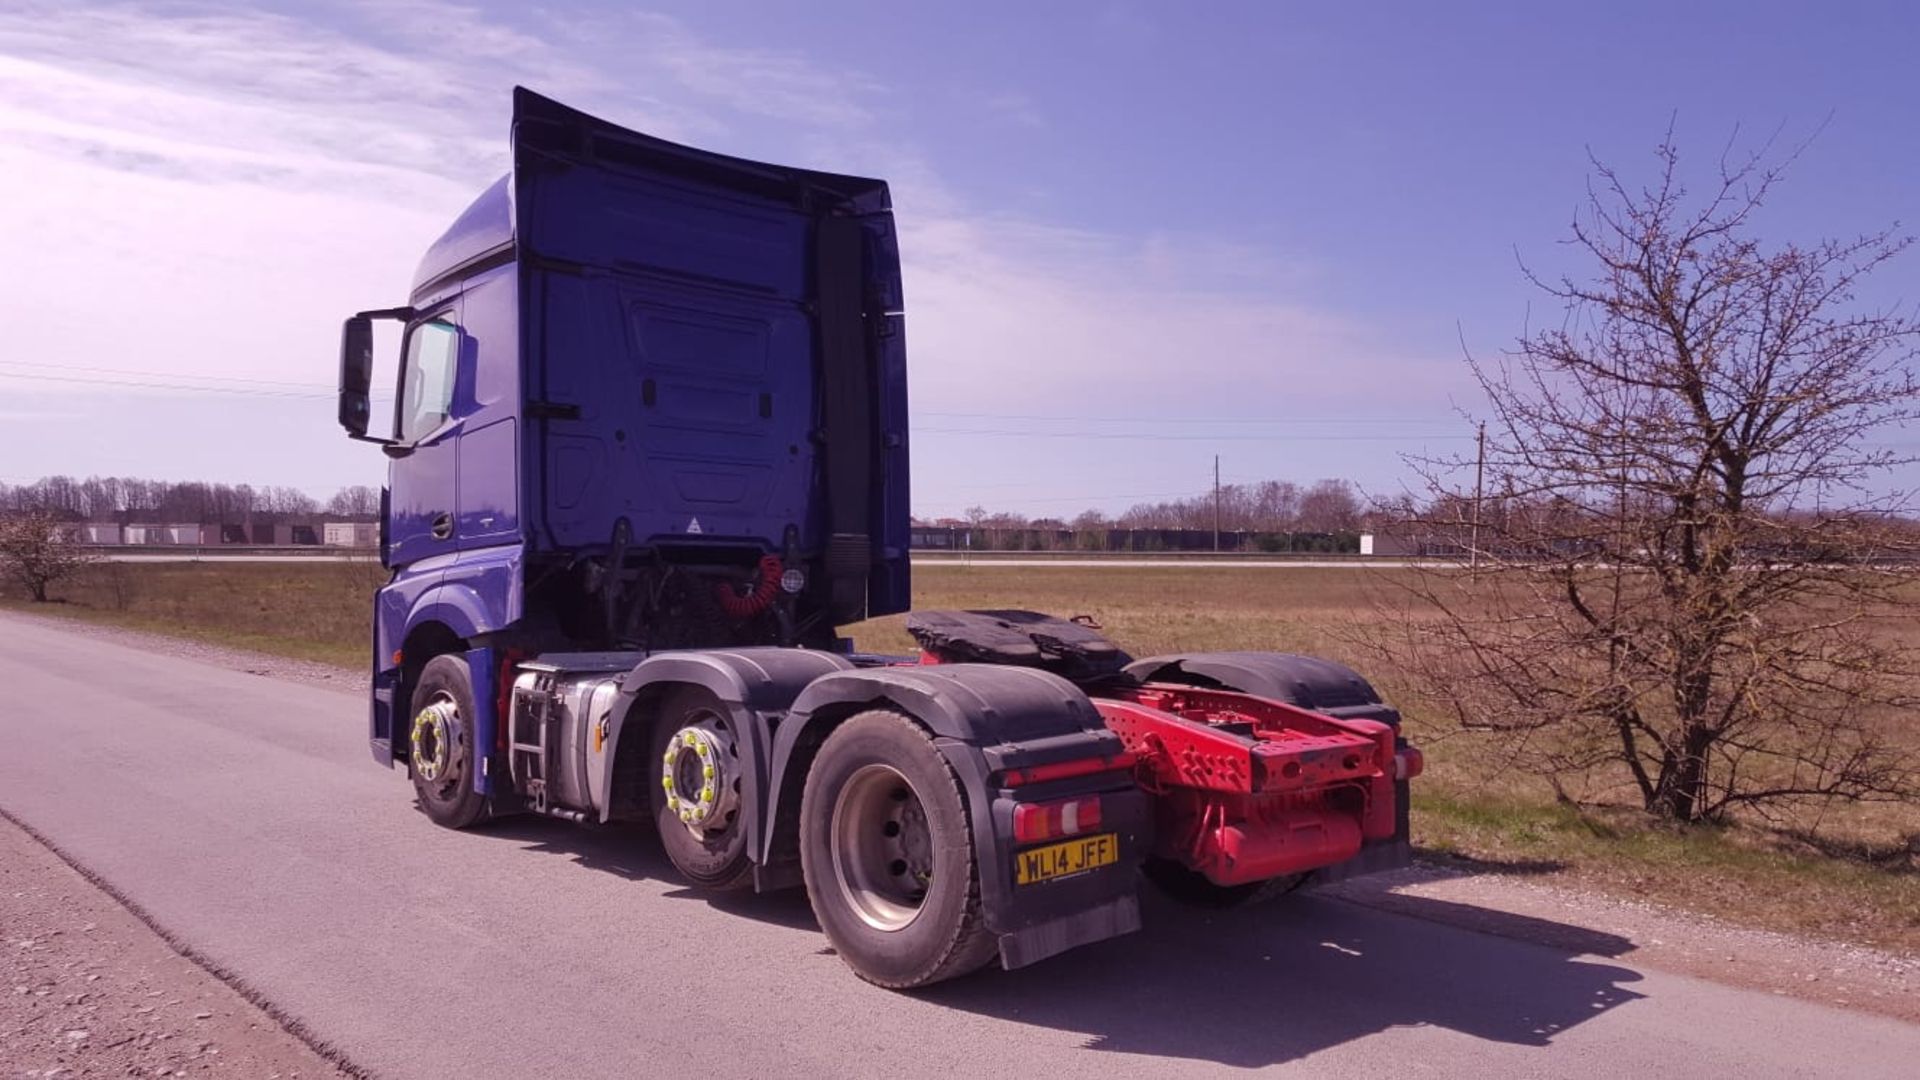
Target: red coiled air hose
741,608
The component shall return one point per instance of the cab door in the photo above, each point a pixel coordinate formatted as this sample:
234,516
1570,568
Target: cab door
424,480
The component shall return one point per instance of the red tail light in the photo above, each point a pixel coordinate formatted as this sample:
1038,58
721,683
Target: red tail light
1035,822
1408,764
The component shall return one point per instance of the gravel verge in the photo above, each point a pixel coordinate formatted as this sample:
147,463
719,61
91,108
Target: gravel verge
1649,934
87,988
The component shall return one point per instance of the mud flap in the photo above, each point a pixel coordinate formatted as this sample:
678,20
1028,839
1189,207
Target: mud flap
1382,855
1118,916
482,675
1395,854
1036,921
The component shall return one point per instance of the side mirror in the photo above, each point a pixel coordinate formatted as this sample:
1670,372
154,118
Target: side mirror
356,371
356,375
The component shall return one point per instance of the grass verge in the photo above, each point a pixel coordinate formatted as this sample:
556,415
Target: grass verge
308,611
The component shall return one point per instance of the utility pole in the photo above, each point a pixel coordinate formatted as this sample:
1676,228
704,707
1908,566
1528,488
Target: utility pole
1479,487
1216,502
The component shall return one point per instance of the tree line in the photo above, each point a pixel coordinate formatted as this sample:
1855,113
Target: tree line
127,500
1270,506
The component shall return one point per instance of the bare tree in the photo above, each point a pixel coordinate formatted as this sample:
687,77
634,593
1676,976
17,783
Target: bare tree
1277,505
1090,530
1329,506
285,501
37,548
358,500
1684,545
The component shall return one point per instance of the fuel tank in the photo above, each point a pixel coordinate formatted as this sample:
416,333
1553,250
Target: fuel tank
557,732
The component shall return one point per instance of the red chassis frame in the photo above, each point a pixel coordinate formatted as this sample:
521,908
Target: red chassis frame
1247,788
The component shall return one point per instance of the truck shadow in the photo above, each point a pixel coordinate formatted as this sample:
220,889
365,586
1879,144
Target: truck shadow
631,850
1275,983
1247,988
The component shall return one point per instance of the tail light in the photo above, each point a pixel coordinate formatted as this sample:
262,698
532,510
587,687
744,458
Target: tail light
1035,822
1408,763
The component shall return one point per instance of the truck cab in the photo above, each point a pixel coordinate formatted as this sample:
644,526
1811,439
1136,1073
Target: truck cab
633,374
648,455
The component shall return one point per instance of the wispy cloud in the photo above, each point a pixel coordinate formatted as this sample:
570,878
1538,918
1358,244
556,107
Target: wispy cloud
206,188
758,82
1013,107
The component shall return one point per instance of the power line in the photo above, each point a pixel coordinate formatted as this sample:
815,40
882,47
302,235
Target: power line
191,388
1162,436
1089,498
1343,421
176,375
152,385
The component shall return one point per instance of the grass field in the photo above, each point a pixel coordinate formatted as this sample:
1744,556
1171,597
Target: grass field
1857,881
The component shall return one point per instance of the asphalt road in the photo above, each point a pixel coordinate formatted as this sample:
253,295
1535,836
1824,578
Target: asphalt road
243,815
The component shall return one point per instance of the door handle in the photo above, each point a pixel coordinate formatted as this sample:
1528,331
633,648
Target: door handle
443,526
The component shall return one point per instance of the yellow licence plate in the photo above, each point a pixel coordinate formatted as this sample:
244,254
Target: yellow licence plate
1075,856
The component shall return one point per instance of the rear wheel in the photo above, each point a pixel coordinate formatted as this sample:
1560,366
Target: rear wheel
441,751
696,796
888,855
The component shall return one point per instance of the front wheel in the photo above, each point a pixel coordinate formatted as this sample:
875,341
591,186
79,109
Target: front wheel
888,855
441,751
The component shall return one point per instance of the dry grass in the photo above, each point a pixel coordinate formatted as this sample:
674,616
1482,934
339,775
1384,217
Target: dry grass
1153,610
312,611
1857,881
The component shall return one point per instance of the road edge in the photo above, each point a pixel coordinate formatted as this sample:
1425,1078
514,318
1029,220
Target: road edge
286,1021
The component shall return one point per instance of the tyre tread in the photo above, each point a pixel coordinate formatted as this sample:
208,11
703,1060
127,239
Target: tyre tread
471,808
971,945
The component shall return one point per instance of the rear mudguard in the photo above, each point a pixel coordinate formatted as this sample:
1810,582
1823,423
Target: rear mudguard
988,719
1307,681
1311,683
755,685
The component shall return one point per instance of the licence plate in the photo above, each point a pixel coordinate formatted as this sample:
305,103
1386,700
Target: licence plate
1076,856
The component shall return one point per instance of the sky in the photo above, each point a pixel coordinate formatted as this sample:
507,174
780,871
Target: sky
1135,236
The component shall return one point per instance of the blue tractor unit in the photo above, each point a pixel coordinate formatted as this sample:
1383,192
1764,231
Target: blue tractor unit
649,454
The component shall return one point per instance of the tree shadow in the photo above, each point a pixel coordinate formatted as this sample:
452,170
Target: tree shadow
1895,858
1456,864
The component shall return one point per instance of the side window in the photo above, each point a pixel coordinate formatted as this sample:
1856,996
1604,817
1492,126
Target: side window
432,351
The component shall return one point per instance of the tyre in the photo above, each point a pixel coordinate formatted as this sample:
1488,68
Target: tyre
694,775
888,855
441,752
1192,887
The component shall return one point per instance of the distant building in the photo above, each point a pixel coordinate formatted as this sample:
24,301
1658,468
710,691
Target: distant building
357,534
98,532
163,535
936,538
1377,543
